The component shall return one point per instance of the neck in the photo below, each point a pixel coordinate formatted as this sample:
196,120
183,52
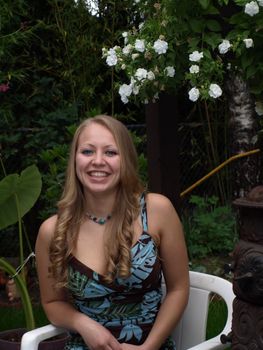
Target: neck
100,206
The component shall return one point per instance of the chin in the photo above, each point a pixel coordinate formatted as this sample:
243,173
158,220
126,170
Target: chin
101,189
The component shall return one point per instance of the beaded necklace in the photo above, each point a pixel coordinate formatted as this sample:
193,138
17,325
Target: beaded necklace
100,221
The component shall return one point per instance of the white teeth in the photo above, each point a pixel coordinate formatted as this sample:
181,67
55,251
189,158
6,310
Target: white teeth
98,173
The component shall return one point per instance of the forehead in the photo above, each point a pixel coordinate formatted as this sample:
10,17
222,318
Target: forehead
95,134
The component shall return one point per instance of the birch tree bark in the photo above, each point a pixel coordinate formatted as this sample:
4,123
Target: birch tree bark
243,129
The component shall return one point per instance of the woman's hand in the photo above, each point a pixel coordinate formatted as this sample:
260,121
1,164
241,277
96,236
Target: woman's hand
98,337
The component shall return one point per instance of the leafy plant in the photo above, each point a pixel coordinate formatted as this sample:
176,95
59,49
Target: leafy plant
190,43
11,317
55,160
25,297
139,142
18,194
210,228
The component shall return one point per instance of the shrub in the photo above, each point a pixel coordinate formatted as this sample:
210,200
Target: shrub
210,228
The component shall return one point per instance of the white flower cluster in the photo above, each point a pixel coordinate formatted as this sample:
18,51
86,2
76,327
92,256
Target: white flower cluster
225,46
248,42
252,7
194,94
194,69
160,46
140,78
149,67
132,57
196,56
111,59
214,90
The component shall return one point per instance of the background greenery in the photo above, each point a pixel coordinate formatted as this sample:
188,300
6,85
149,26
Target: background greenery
51,63
52,76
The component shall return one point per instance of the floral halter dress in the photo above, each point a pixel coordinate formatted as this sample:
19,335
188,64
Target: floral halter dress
127,307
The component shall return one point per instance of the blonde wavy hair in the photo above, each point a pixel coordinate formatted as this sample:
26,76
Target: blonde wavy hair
72,205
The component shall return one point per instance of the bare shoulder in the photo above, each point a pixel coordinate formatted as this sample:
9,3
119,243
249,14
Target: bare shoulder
157,198
162,215
159,203
47,229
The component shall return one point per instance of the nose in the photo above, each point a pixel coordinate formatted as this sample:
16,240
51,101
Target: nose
98,158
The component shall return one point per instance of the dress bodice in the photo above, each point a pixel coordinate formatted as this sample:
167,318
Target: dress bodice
128,306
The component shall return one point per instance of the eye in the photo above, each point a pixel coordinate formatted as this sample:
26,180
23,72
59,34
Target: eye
87,152
111,153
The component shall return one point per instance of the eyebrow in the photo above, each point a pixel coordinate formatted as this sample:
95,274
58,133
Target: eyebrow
94,146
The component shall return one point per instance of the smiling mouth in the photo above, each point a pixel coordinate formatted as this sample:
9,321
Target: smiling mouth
98,173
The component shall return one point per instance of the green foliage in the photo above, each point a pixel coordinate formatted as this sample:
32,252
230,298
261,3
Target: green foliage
210,228
51,77
18,192
13,317
25,297
57,41
139,142
143,168
217,315
187,27
53,179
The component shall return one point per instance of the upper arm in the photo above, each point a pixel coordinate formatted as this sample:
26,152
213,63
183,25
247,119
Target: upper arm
164,222
47,291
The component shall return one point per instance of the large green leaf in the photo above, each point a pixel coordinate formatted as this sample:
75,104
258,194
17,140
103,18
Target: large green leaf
25,188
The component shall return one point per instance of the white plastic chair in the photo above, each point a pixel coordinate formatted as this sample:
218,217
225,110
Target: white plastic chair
190,332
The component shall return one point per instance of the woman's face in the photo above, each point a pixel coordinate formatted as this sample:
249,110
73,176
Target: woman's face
97,160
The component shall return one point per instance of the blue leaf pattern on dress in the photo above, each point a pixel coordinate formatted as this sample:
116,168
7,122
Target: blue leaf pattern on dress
96,290
130,331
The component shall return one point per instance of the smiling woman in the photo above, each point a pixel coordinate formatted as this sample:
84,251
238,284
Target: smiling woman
108,247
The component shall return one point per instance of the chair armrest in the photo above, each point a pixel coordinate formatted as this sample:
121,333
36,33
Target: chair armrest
31,339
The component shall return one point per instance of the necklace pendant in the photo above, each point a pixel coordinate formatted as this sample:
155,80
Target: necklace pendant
101,221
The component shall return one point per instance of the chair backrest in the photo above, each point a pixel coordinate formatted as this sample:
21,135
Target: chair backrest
191,330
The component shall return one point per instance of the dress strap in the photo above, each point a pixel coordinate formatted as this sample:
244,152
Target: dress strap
144,213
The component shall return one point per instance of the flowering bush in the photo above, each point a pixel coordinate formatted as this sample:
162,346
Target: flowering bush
181,44
147,56
147,82
220,55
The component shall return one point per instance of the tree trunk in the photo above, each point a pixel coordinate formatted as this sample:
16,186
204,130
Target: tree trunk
243,129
